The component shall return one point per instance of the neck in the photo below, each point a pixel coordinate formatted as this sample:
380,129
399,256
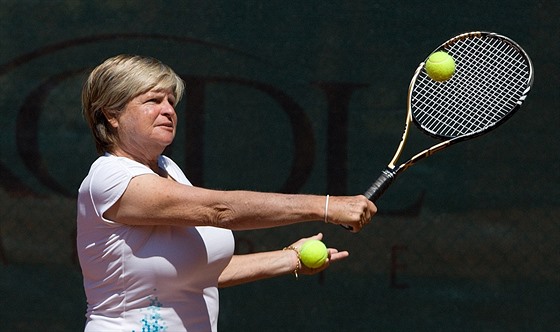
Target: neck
150,161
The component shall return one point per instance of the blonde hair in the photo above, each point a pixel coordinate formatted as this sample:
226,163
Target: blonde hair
112,84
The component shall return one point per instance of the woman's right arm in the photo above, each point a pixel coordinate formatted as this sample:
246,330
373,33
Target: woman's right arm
153,200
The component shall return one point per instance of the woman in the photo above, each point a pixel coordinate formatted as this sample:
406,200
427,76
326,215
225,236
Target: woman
153,248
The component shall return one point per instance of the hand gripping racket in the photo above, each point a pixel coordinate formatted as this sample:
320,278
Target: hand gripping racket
492,78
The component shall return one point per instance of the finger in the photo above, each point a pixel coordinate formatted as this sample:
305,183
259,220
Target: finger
318,236
336,255
301,241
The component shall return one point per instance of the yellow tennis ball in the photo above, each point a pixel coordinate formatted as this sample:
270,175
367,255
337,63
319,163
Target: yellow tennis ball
313,254
440,66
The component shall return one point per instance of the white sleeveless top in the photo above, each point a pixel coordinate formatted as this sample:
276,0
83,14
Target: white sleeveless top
145,278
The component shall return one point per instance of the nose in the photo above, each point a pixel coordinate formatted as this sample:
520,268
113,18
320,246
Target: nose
167,108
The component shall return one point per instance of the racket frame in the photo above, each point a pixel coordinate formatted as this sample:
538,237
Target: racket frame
389,174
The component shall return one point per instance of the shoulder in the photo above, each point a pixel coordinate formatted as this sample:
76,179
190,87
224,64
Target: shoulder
110,170
110,162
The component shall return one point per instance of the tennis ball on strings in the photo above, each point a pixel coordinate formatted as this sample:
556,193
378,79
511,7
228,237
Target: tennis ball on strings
313,254
440,66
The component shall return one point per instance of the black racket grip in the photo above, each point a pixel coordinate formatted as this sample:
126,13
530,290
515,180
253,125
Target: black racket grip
377,188
380,185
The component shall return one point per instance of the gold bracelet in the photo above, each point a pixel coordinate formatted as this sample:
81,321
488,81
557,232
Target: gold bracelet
298,260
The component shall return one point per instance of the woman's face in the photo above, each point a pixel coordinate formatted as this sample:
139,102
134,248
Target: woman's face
148,122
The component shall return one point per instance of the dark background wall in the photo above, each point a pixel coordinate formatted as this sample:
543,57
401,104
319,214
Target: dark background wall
295,97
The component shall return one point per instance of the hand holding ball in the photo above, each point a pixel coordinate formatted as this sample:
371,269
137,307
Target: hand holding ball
313,254
440,66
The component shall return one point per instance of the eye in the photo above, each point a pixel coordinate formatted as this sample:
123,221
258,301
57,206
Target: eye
153,100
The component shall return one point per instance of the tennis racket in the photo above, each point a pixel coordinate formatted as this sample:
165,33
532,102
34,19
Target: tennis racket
492,78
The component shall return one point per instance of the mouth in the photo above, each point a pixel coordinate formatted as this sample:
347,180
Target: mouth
167,125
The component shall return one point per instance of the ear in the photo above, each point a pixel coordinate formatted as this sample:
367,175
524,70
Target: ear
111,118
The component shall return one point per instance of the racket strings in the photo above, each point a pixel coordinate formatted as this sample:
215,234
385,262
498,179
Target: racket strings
483,108
480,95
490,80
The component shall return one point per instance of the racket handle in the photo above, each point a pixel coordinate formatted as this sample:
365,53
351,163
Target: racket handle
377,188
380,185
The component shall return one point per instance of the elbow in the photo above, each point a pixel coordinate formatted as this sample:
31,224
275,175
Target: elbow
223,216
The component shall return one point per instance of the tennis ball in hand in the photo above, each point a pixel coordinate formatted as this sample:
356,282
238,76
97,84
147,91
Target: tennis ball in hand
440,66
313,254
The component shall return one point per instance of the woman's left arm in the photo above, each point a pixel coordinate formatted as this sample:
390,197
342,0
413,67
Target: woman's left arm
263,265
